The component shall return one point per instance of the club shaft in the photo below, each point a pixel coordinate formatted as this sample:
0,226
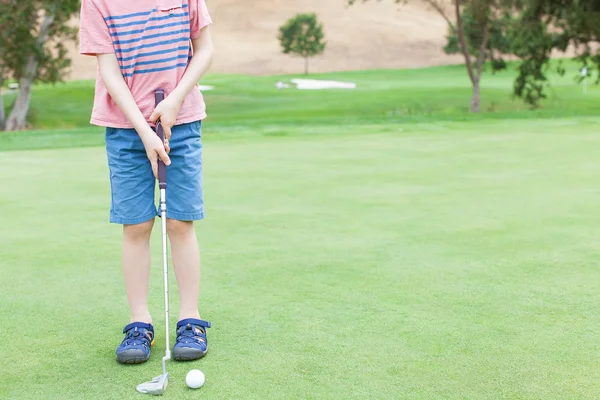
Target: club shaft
163,213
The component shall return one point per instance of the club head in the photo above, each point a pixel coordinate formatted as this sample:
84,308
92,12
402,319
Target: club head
156,386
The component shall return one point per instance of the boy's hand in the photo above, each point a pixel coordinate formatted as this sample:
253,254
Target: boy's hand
167,111
120,93
155,149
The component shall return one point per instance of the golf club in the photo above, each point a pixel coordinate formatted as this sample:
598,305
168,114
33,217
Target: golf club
158,385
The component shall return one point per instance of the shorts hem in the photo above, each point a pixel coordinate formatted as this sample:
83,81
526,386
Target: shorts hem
114,219
184,216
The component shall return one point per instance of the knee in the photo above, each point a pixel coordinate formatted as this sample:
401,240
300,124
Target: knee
139,232
179,228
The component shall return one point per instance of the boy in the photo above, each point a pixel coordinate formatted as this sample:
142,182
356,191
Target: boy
141,46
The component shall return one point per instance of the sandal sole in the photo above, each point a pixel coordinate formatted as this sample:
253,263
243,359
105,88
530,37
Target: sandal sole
132,357
188,354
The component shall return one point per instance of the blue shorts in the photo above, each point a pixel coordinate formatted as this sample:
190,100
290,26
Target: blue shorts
133,185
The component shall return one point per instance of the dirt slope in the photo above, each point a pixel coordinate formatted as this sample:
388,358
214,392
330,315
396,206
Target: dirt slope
365,36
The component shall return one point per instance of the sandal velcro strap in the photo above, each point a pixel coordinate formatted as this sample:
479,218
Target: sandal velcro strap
193,321
139,325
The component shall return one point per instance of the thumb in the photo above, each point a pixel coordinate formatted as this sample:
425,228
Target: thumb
155,115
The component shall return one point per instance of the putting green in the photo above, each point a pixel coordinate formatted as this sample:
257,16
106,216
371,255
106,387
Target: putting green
450,260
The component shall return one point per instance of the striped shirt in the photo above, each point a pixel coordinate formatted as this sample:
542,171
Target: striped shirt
151,39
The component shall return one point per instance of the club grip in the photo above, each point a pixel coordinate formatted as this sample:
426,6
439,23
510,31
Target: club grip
159,96
162,169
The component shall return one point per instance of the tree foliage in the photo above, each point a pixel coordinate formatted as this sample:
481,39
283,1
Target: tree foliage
531,30
554,25
302,35
477,29
33,47
499,41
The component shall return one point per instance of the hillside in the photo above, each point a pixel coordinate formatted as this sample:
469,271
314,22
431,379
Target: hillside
365,36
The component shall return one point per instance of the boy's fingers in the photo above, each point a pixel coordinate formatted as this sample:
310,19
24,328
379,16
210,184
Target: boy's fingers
154,168
163,156
155,116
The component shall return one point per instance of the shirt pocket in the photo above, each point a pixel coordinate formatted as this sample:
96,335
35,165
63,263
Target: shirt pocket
169,6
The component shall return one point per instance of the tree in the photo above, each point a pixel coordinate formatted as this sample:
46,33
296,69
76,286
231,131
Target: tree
488,38
32,48
302,35
549,25
8,57
479,30
480,34
2,115
533,28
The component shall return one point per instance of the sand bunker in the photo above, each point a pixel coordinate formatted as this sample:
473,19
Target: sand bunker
315,84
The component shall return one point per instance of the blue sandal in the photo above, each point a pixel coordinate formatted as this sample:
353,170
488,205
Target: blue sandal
135,348
191,342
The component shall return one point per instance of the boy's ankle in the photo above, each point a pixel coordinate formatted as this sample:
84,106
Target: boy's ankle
146,318
193,315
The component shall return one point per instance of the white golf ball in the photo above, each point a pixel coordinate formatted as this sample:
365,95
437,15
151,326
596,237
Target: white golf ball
194,379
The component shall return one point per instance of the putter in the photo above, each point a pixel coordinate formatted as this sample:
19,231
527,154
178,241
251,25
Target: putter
158,385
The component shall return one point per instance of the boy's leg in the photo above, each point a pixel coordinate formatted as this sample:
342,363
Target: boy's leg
185,254
136,269
133,206
185,205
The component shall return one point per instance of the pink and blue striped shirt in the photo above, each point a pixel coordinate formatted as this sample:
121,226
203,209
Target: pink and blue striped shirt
151,39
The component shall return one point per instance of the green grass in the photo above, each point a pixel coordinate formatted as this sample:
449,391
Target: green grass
350,251
454,260
422,95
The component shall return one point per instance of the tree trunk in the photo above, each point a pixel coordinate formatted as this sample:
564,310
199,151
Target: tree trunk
475,76
18,116
305,65
2,116
475,99
460,31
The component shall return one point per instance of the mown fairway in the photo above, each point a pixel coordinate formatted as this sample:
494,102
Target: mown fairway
345,255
